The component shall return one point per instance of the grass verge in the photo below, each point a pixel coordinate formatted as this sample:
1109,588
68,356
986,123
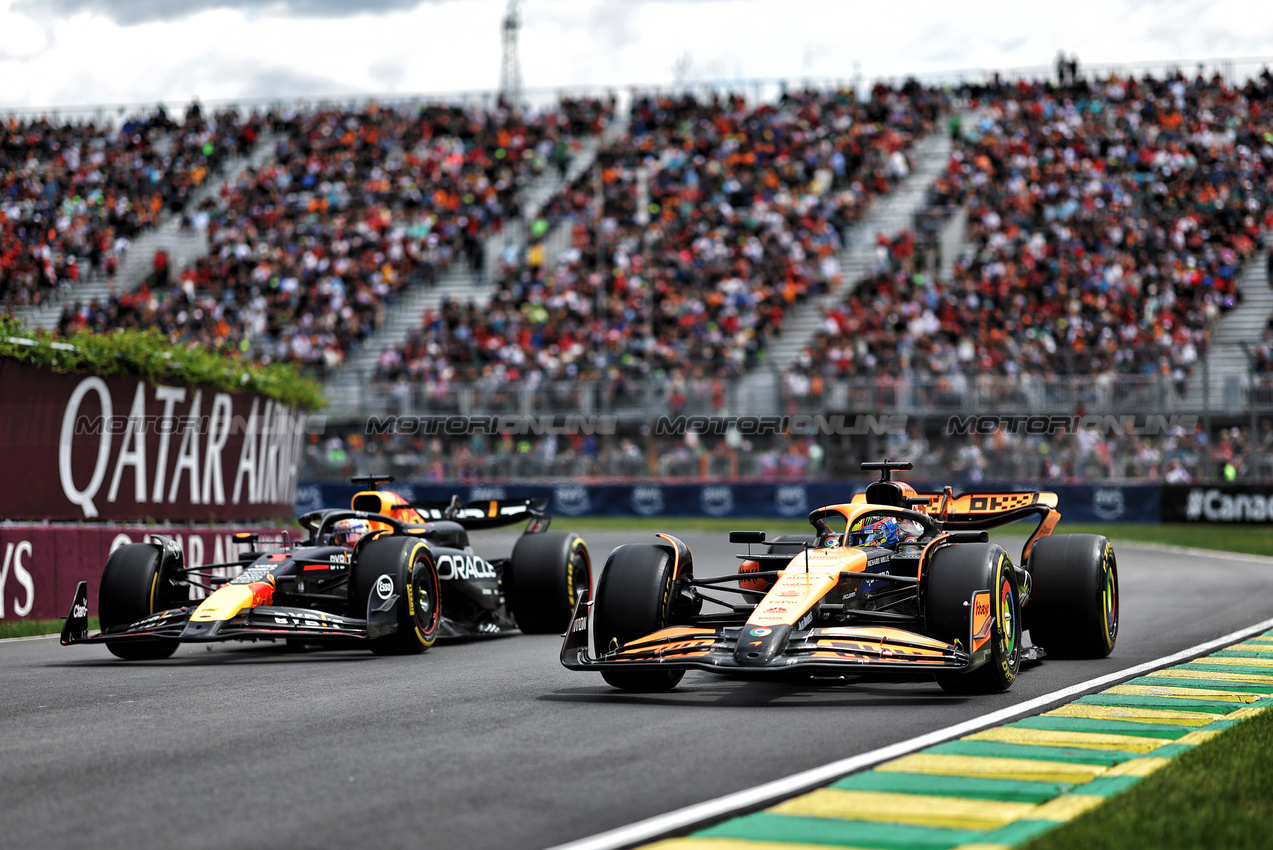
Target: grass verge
1247,539
1218,795
31,628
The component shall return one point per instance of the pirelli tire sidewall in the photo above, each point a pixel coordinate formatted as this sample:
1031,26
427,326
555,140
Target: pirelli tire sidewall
408,562
136,582
952,577
544,578
635,598
1074,600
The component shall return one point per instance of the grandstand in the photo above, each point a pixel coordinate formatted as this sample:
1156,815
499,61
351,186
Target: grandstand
1003,245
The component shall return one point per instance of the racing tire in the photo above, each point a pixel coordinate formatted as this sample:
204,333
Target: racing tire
792,544
1073,607
543,581
634,598
953,576
783,544
409,564
134,586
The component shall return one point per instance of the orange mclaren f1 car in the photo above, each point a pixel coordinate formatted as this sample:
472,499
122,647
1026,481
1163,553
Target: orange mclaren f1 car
894,584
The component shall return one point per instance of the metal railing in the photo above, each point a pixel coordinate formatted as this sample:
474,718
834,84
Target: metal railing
756,89
1107,394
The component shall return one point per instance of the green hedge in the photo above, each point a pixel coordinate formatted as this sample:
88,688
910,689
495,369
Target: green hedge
150,355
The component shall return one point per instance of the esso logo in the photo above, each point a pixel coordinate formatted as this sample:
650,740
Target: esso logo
384,587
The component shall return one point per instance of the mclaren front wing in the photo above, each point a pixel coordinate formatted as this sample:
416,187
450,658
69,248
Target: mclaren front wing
765,649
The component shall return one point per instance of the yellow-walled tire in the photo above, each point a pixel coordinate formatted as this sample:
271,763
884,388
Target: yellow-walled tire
634,599
1073,609
407,562
543,580
134,587
955,574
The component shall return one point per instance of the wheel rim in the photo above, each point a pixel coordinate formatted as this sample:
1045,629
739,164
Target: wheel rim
1109,601
1007,617
425,592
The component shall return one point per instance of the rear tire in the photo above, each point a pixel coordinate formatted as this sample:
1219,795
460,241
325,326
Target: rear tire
954,575
783,544
543,581
1073,609
409,564
792,544
134,586
634,599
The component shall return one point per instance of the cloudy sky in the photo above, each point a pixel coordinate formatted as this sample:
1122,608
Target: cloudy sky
79,52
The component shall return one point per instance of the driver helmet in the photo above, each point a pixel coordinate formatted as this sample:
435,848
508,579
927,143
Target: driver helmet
881,532
347,532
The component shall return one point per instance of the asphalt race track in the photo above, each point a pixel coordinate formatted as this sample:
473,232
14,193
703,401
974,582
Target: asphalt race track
489,744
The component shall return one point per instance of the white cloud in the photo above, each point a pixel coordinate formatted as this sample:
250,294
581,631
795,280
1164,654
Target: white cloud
76,51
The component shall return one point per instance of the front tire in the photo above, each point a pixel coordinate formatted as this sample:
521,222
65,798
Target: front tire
635,597
545,576
1073,610
954,575
135,585
407,562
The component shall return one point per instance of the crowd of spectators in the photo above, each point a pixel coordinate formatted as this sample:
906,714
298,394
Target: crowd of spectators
73,195
1178,456
692,234
1107,223
1182,456
307,251
515,457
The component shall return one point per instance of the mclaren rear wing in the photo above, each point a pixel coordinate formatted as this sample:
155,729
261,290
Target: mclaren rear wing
992,509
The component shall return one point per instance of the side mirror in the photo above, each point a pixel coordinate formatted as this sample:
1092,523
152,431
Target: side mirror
747,537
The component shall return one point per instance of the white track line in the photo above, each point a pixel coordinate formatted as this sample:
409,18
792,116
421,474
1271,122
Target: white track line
28,637
709,810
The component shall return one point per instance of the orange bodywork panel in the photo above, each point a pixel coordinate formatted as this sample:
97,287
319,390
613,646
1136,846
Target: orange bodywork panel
675,642
808,576
982,619
390,504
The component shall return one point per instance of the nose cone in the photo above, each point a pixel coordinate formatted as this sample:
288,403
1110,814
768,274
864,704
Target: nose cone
205,630
760,645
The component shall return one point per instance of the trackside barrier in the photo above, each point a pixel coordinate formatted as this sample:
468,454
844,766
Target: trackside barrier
1227,503
43,563
1079,503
